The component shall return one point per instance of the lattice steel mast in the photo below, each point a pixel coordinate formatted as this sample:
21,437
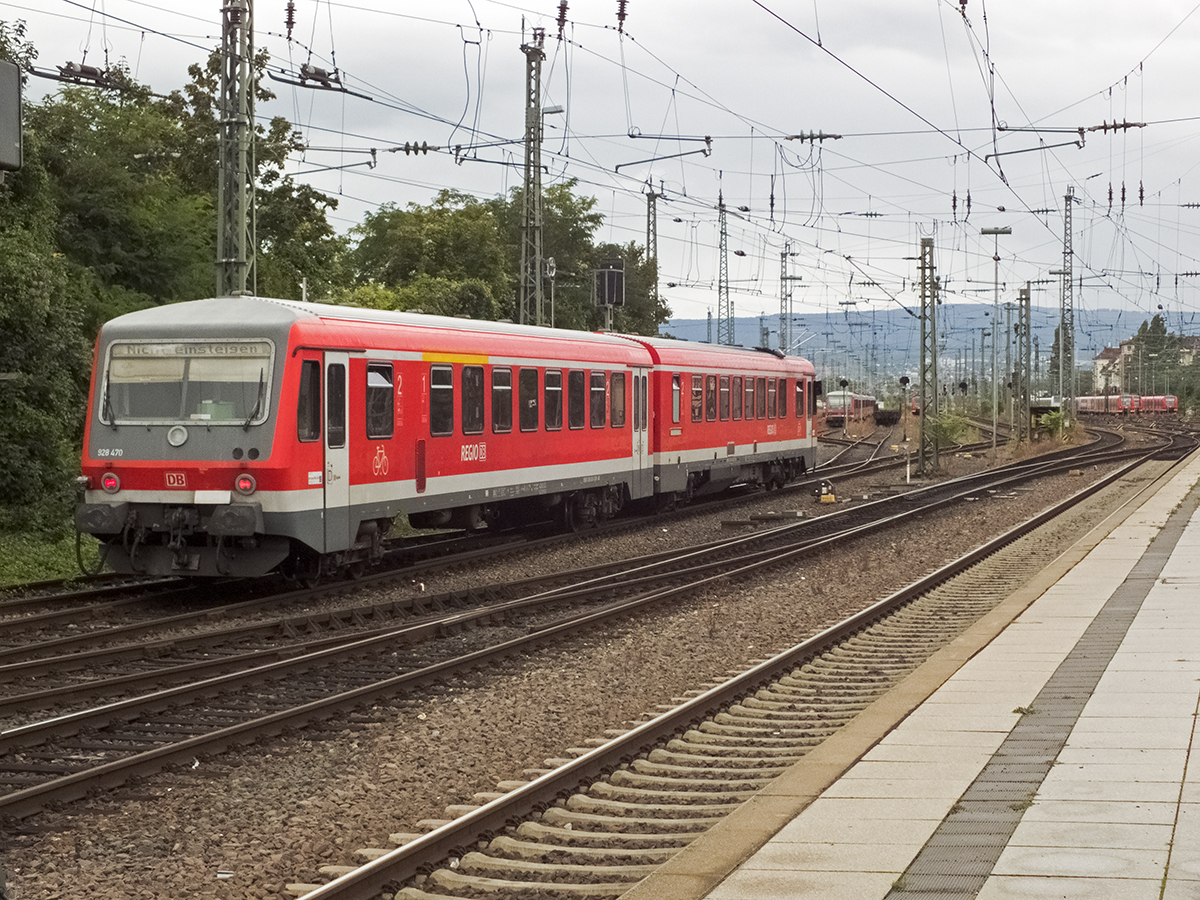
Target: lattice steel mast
1024,365
724,303
1066,339
927,449
652,240
531,217
235,177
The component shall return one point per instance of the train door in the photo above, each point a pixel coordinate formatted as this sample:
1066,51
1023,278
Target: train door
337,453
643,472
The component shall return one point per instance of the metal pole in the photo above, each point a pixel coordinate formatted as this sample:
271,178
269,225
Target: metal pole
995,232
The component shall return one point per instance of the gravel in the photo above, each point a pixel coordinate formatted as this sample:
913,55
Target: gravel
246,824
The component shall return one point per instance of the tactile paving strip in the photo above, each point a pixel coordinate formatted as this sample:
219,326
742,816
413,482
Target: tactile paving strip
959,857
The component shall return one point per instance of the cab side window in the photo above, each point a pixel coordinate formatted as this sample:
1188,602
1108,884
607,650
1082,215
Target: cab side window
381,409
308,407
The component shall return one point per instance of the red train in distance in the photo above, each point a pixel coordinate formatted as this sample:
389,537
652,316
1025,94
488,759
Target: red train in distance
237,436
1128,404
844,407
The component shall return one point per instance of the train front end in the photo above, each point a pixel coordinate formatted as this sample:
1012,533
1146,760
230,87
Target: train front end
179,449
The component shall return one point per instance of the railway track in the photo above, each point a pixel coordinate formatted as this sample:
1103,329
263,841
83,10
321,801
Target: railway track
596,824
76,752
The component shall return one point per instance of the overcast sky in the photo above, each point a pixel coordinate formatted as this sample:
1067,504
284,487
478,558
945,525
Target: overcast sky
924,95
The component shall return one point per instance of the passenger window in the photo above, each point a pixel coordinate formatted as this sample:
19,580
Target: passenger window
749,397
617,402
697,398
308,407
599,401
472,399
554,400
760,399
799,399
676,398
381,407
576,399
782,397
771,398
527,398
335,395
735,394
723,403
710,398
502,400
441,400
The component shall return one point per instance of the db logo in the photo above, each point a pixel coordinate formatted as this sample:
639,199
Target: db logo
176,480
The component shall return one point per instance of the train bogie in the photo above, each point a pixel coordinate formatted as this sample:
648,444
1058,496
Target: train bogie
237,435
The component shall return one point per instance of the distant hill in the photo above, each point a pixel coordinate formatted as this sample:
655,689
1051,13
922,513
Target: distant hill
887,341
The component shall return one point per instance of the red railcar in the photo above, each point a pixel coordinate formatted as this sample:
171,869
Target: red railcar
237,435
844,407
1163,404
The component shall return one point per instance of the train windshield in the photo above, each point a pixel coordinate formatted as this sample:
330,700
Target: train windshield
214,382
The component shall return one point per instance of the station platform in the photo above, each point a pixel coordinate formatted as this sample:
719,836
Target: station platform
1051,751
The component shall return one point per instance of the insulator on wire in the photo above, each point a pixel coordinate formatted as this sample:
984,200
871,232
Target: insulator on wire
621,4
562,18
290,19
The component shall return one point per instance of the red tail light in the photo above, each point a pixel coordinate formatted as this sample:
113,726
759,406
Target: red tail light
110,482
245,484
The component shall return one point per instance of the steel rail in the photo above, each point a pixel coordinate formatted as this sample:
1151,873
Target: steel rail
463,833
75,785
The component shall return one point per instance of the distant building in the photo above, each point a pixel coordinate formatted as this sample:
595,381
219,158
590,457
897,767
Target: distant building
1107,370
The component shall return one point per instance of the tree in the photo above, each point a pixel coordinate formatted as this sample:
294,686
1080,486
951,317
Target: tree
1156,357
448,256
44,303
569,226
642,313
123,212
297,245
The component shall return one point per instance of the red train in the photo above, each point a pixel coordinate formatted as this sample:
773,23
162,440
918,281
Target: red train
240,435
1125,404
844,407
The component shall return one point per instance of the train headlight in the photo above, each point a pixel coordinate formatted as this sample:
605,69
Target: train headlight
110,482
245,484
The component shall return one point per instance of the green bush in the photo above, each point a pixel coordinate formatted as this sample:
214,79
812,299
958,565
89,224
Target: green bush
950,428
25,559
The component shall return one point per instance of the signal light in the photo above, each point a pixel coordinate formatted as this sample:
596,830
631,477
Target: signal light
110,482
245,484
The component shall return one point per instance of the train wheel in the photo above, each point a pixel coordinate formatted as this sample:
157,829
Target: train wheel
567,517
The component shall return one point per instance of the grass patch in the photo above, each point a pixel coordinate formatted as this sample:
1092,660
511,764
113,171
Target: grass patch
24,559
